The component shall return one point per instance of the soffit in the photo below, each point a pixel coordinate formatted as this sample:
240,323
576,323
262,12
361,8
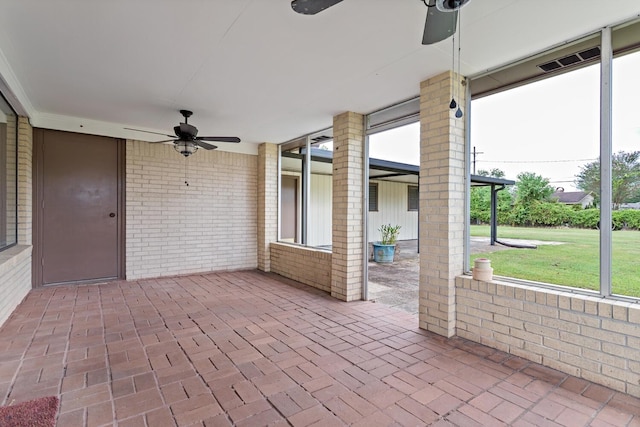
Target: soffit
624,39
253,68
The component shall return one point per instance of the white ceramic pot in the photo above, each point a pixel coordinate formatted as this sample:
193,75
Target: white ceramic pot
482,269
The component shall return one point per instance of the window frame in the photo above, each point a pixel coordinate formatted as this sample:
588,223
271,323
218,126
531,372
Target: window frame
5,204
416,199
373,197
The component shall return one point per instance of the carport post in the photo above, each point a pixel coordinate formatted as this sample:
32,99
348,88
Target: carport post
494,213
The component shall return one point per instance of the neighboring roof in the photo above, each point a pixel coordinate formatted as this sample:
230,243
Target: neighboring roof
570,197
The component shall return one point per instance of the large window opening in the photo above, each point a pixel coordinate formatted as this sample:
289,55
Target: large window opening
625,175
8,172
306,190
394,159
540,135
553,137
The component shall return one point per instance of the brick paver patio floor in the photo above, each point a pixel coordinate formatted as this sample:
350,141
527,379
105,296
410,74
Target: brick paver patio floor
251,349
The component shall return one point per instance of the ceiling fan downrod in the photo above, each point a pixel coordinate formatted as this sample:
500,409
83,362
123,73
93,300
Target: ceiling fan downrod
186,114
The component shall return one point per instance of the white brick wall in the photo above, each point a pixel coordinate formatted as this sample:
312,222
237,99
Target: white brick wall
172,228
589,337
305,265
25,189
15,262
15,278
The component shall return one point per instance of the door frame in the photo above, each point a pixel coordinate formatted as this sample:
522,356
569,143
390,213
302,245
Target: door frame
38,199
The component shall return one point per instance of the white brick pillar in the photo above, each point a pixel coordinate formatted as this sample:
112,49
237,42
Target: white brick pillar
25,164
347,230
442,192
267,202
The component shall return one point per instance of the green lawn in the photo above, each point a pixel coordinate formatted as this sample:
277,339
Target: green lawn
574,263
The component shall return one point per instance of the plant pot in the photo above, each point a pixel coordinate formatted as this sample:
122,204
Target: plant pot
482,269
383,253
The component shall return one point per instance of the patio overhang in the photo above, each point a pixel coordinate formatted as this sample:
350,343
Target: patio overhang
496,185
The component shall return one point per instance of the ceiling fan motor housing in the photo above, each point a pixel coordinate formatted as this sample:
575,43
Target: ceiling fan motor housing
450,5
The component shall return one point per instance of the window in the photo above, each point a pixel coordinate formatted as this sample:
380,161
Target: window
625,175
373,197
572,177
394,156
542,146
8,174
413,198
306,190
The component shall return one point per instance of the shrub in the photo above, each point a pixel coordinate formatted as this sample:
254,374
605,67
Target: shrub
550,214
480,216
587,218
629,219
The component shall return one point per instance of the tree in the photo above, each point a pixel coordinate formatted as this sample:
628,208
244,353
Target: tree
625,178
531,187
495,173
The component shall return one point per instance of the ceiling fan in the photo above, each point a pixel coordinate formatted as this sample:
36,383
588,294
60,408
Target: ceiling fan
440,24
187,141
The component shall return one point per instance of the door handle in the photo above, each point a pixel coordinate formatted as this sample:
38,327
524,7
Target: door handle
112,215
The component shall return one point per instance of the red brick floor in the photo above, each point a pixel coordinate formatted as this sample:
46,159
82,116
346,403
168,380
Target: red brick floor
250,349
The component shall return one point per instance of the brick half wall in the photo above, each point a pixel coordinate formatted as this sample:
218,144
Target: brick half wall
589,337
305,265
15,278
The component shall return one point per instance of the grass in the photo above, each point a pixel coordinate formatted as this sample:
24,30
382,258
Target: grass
575,263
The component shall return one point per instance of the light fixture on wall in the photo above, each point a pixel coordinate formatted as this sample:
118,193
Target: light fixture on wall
186,148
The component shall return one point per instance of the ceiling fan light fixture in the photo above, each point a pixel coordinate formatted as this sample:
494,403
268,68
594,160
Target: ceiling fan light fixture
186,148
450,5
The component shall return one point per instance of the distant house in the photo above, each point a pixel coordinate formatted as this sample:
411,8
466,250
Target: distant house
583,198
635,205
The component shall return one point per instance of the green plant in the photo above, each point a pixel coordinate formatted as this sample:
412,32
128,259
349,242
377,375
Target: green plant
389,234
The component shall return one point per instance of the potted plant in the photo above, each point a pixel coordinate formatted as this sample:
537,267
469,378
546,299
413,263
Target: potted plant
385,249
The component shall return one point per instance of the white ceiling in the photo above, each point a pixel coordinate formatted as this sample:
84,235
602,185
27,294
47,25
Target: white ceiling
254,68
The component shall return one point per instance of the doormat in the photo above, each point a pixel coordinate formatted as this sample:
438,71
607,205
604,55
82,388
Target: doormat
39,412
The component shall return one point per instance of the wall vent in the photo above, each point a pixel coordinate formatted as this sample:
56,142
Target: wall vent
569,60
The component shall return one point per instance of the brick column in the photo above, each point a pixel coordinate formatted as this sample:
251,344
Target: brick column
347,230
442,192
267,202
25,164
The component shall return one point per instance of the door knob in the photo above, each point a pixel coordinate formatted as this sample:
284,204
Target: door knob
111,215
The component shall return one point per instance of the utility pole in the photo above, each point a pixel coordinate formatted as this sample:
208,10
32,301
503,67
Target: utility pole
475,153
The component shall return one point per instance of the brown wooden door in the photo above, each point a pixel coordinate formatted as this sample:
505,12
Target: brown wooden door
289,208
80,207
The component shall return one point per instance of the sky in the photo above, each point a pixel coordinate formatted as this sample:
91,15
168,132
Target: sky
550,127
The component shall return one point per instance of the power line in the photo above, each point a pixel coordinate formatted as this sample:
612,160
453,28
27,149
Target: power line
536,161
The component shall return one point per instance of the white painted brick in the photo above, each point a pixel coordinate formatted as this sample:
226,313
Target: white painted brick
175,229
579,335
